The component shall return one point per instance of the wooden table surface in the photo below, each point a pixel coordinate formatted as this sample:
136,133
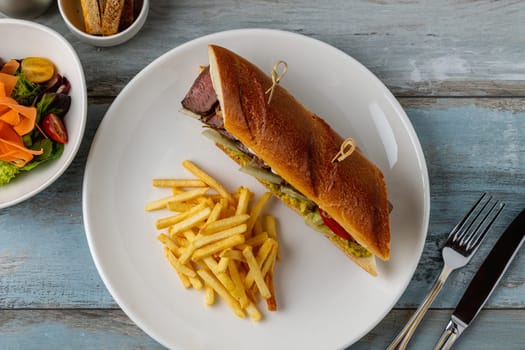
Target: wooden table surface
458,69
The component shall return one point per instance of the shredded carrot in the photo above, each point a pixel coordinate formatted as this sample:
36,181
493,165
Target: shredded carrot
12,148
10,67
16,120
11,117
9,82
28,115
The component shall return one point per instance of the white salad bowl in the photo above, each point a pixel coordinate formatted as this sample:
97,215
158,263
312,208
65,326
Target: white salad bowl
71,12
22,39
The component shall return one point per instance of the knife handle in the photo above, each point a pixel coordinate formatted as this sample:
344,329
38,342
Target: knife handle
450,335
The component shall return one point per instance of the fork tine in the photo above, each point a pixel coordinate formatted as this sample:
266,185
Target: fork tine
463,234
472,243
458,231
468,234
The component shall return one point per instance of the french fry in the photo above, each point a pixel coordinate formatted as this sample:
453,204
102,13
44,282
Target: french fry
205,177
196,282
215,213
270,226
209,295
224,203
269,263
218,246
261,258
202,240
256,210
210,263
181,241
257,240
222,266
176,190
239,291
170,244
177,183
180,207
173,219
219,242
158,204
222,291
243,201
177,265
257,228
271,303
225,223
253,312
256,272
232,254
190,221
207,201
184,280
183,196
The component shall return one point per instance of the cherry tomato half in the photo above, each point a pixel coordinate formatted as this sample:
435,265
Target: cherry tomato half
334,226
37,69
54,127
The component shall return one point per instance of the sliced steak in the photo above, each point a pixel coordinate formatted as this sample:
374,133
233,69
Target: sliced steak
201,98
214,121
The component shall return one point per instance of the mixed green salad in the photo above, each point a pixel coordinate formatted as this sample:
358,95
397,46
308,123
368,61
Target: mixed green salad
34,99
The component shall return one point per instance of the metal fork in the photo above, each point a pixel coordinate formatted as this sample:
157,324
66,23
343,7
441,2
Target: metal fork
463,241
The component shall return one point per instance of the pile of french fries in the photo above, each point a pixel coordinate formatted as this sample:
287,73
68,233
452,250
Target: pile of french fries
219,242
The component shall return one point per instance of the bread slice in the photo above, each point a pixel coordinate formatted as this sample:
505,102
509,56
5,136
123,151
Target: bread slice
101,6
111,17
128,15
299,146
91,15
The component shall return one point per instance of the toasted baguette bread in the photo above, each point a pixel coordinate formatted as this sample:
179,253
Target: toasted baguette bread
128,15
101,6
299,146
111,17
91,15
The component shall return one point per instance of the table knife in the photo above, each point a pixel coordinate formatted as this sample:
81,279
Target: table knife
484,282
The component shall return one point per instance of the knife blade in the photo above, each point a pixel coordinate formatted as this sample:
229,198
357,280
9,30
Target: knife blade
484,282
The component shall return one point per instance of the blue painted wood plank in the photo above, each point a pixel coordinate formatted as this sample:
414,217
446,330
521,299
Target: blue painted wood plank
491,330
422,48
468,149
111,329
77,329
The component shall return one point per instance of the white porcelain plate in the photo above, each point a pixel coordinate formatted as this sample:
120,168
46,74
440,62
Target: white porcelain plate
325,301
22,39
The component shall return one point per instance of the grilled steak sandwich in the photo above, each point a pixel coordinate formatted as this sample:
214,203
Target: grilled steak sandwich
290,150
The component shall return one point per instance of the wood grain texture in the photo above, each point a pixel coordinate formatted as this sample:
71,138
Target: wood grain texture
108,328
492,329
71,329
418,48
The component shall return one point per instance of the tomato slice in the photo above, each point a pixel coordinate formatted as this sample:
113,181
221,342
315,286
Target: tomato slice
334,226
37,69
54,127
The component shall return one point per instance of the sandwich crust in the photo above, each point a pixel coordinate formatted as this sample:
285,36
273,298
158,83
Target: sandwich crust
299,146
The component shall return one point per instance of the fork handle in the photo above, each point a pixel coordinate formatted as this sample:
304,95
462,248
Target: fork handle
402,339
